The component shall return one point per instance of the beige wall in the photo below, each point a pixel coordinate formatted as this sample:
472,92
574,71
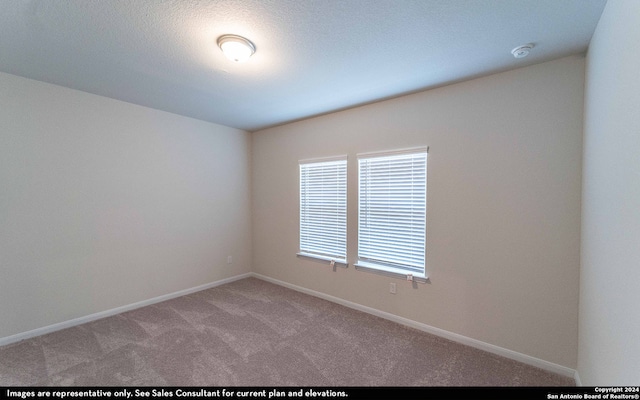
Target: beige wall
609,345
503,235
104,204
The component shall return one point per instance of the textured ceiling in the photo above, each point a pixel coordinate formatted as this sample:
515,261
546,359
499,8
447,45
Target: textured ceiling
313,56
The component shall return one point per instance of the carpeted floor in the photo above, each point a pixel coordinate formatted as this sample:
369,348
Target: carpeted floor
254,333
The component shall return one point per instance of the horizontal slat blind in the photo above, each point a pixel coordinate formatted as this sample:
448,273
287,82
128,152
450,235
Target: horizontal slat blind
323,209
392,211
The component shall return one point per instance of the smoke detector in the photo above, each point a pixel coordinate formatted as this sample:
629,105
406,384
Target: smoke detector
522,51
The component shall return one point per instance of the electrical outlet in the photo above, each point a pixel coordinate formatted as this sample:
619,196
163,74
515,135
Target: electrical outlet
392,288
229,259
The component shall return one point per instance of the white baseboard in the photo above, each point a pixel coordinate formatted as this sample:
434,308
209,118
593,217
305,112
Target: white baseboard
514,355
103,314
533,361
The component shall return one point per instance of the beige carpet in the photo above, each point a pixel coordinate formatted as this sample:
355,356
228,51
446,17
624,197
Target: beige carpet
254,333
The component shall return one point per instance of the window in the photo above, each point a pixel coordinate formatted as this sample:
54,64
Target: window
392,213
323,210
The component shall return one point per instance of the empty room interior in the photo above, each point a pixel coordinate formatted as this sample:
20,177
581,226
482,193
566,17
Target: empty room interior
172,214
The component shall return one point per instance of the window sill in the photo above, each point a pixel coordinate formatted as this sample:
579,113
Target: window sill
332,261
389,271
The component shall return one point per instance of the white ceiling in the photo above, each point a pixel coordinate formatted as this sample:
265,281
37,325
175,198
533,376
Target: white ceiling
313,56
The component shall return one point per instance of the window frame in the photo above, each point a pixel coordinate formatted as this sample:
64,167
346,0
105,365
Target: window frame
304,251
365,263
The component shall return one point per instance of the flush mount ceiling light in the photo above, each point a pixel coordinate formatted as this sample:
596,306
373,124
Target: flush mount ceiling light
522,51
236,48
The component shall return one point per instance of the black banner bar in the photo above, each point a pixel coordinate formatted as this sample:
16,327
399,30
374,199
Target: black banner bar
320,393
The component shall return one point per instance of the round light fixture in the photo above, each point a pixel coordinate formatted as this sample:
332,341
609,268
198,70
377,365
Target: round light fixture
522,51
236,48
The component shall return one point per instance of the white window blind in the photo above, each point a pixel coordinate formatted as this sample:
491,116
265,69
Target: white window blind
392,212
323,209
